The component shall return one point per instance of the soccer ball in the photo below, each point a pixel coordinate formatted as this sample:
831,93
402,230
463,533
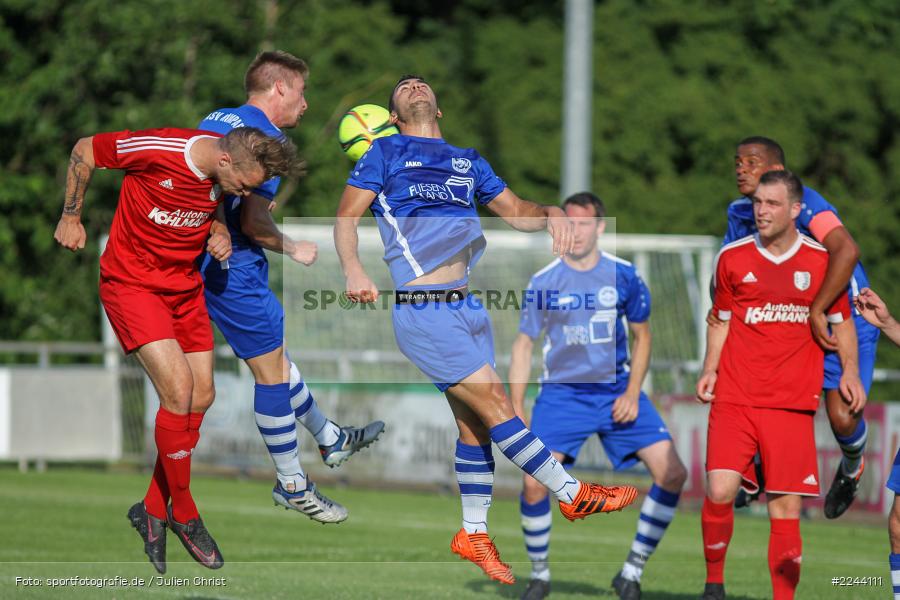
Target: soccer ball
362,124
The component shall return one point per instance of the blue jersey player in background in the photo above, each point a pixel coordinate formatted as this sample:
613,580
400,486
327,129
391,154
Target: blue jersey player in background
249,314
875,311
591,385
423,193
819,220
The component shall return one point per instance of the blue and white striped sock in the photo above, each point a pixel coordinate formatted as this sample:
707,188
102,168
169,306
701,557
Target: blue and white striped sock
853,447
894,559
475,475
529,454
536,522
657,512
276,424
307,411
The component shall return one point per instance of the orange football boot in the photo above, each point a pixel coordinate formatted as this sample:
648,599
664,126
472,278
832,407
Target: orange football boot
480,549
595,498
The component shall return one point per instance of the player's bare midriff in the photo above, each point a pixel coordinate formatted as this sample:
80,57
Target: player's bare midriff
452,269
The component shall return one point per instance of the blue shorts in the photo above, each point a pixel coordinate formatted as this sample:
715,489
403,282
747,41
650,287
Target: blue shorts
448,341
893,482
563,418
243,307
867,336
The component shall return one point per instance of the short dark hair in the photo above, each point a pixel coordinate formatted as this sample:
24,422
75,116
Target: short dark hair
270,66
585,199
772,147
788,179
407,77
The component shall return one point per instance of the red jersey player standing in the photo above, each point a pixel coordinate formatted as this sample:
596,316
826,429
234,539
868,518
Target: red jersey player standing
763,374
153,293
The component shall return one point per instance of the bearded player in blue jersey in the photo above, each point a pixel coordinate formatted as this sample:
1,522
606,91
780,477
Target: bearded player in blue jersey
423,194
249,314
819,219
591,385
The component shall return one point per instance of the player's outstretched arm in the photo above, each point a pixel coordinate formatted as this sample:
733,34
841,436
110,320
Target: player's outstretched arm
354,203
715,341
69,231
852,390
524,215
625,408
875,311
843,254
519,373
258,224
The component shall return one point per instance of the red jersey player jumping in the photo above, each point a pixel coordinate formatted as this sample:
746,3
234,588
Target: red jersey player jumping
763,374
153,293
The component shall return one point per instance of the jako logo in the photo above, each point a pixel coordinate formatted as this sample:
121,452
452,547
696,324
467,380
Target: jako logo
179,218
180,454
413,163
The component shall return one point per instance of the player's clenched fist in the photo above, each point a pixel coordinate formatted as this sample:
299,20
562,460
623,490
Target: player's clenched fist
361,289
304,252
70,233
219,246
705,386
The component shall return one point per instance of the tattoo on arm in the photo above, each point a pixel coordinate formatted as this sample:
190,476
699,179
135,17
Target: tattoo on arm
77,178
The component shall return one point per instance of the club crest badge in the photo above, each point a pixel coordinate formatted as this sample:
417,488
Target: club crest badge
607,296
461,165
802,279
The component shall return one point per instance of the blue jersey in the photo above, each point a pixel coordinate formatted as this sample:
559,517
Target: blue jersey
741,224
222,121
584,314
425,208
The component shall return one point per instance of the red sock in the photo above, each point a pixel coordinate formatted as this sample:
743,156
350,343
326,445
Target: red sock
157,496
194,421
785,552
718,524
173,442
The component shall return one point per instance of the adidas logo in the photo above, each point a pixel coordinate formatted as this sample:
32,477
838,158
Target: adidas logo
810,480
167,183
180,454
749,278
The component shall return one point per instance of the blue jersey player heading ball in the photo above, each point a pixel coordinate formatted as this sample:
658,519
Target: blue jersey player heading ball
818,219
249,314
423,194
591,386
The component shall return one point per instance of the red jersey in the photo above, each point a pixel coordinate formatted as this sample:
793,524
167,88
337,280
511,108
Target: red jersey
164,212
770,358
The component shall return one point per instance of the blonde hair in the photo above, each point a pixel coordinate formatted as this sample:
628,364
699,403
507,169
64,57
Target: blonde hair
276,156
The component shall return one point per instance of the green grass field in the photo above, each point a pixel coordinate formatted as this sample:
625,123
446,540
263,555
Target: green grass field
71,523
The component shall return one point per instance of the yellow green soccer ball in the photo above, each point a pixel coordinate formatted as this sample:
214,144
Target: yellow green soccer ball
362,124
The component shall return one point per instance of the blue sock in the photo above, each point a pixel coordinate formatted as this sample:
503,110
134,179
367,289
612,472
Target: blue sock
853,447
529,454
894,560
536,523
276,423
475,475
657,512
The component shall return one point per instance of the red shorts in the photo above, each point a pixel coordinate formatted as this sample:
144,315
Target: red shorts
139,316
785,440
